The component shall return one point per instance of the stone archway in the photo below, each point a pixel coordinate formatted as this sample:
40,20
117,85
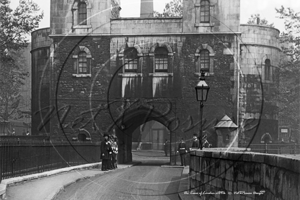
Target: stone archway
130,122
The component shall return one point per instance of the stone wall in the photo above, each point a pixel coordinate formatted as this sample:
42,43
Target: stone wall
136,26
257,44
64,17
225,17
240,175
40,38
106,36
107,83
257,92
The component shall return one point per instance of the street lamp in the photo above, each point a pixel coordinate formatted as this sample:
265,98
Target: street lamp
201,93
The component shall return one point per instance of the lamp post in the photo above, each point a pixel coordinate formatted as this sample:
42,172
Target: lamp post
201,94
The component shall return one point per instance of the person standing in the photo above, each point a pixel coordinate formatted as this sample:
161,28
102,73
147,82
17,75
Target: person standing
114,147
110,152
13,132
166,147
195,143
105,149
182,152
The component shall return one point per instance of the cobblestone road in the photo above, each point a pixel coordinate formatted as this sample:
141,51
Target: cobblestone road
145,181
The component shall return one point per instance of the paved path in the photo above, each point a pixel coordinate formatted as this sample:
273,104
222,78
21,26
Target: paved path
48,187
151,179
48,184
138,182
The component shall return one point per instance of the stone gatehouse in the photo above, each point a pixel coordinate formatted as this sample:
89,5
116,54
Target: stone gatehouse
95,72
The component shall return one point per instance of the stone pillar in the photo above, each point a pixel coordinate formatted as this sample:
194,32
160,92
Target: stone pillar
121,147
146,8
124,146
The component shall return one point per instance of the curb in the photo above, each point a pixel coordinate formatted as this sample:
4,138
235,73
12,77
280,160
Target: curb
2,191
16,180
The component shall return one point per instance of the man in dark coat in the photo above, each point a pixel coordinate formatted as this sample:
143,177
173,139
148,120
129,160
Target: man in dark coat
195,143
182,152
105,153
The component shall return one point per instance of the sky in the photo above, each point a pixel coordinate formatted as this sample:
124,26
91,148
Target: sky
131,8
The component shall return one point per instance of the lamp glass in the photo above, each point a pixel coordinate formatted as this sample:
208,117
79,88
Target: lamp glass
202,91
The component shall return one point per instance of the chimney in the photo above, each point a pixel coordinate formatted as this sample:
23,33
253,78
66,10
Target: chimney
258,20
146,8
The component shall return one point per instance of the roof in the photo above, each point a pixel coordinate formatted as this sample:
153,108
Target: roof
226,122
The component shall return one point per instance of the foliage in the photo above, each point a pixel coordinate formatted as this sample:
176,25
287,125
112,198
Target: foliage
256,19
289,88
15,27
172,9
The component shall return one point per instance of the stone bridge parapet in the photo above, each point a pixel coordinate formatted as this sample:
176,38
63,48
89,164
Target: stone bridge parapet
218,174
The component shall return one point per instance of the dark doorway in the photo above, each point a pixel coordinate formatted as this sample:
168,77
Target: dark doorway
151,144
141,138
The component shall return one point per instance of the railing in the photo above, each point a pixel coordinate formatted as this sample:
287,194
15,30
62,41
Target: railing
276,148
19,158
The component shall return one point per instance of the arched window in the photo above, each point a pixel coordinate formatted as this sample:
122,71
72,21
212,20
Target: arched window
161,59
130,60
204,11
204,61
267,69
82,13
82,63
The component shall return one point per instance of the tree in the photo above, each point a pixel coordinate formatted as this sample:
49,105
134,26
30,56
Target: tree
289,87
172,9
15,26
256,19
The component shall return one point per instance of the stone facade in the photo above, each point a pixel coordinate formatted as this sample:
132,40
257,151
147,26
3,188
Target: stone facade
258,85
105,96
241,175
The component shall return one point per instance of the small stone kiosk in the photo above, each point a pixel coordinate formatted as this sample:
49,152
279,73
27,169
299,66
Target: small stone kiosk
227,133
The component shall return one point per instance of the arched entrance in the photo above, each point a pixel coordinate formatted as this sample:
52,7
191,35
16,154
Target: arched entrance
126,127
151,144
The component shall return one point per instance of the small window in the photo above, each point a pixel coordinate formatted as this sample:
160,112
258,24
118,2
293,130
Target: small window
204,61
267,69
82,13
204,11
130,60
82,63
161,59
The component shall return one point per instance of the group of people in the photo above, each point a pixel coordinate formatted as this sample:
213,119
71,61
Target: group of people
183,150
109,152
13,133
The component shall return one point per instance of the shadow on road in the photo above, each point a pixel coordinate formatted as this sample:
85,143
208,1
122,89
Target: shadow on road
150,158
